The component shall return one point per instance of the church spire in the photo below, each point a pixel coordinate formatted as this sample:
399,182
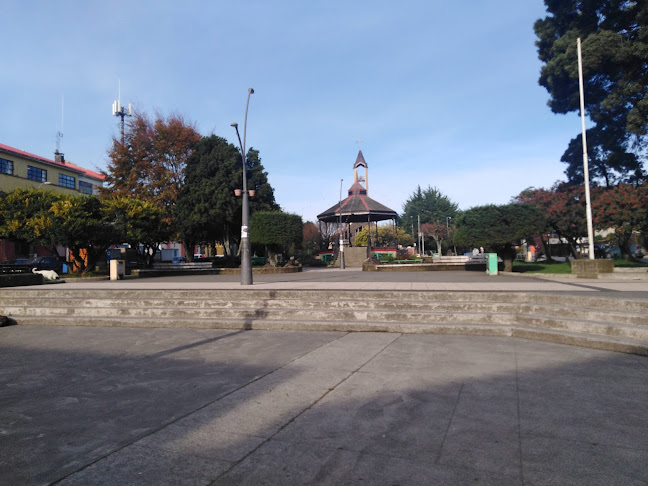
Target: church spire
360,162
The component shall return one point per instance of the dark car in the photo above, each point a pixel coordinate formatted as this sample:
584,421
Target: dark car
17,261
46,263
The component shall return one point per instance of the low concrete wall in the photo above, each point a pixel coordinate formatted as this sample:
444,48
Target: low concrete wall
20,279
425,267
152,272
591,268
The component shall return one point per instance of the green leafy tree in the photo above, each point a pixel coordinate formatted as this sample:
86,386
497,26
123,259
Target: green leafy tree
141,224
25,216
207,210
278,231
499,228
615,53
430,205
81,224
385,237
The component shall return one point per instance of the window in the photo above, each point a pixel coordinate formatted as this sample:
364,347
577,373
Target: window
67,181
36,174
85,187
6,166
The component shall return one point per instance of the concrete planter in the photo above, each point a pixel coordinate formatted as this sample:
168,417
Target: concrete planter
591,268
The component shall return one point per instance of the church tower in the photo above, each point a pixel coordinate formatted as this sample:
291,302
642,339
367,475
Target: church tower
360,162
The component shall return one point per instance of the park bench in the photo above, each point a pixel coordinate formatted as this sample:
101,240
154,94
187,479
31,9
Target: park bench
460,259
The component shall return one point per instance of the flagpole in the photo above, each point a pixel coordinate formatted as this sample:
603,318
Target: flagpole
588,206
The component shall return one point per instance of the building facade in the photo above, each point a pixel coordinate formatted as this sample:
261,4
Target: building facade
22,169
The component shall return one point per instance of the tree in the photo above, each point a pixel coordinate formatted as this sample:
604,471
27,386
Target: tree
81,224
438,232
430,205
25,216
139,223
625,209
615,53
279,232
150,164
311,238
564,209
498,228
207,210
385,237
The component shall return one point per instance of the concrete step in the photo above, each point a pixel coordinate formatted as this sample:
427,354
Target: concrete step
586,321
329,309
28,296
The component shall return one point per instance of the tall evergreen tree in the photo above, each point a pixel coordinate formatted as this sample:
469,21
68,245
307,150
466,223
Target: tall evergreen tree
615,54
430,205
208,210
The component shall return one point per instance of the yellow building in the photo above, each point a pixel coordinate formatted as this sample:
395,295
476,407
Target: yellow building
22,169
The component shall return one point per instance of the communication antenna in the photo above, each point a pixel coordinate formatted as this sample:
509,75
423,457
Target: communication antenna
58,156
120,111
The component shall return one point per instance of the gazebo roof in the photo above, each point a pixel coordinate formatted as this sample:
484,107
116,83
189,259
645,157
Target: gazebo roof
358,207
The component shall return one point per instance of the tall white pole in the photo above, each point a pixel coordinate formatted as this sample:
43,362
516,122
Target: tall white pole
588,206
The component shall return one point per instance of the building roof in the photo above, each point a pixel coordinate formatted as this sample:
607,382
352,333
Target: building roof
64,165
357,208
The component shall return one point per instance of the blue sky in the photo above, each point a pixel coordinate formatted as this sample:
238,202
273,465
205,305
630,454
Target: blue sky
440,93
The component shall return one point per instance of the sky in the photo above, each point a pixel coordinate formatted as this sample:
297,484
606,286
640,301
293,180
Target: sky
434,93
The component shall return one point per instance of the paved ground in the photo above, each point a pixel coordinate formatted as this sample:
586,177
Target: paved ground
121,406
116,406
355,279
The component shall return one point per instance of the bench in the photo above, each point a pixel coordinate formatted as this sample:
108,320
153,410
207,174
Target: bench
182,266
460,259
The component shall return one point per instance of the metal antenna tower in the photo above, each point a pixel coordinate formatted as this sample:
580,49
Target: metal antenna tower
120,111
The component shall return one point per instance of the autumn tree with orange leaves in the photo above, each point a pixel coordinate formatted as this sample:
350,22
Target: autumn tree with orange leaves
625,209
150,164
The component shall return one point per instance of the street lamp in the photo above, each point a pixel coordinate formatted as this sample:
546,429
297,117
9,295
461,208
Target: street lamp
48,183
341,247
246,257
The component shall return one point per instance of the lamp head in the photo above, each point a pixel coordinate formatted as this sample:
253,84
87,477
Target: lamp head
250,90
235,125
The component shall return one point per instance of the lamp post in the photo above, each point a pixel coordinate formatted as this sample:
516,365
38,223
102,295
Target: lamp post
246,257
341,248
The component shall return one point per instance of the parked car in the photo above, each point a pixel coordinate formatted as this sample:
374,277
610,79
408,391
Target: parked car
46,263
16,261
199,256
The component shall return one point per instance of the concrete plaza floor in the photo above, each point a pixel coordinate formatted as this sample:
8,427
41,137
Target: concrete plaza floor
123,406
355,279
120,406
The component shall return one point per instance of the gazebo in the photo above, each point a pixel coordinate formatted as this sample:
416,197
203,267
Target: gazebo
357,208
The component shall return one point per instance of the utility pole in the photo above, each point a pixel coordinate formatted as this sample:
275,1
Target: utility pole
120,111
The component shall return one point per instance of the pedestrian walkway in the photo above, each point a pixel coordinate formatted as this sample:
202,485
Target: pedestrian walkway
106,406
355,279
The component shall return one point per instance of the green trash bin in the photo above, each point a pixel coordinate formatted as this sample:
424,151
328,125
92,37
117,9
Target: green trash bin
491,263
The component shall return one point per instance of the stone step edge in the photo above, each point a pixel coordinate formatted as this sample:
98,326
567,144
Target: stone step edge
506,297
342,315
608,343
546,310
53,301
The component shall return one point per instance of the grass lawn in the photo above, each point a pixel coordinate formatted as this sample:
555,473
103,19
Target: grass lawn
629,263
542,267
565,267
